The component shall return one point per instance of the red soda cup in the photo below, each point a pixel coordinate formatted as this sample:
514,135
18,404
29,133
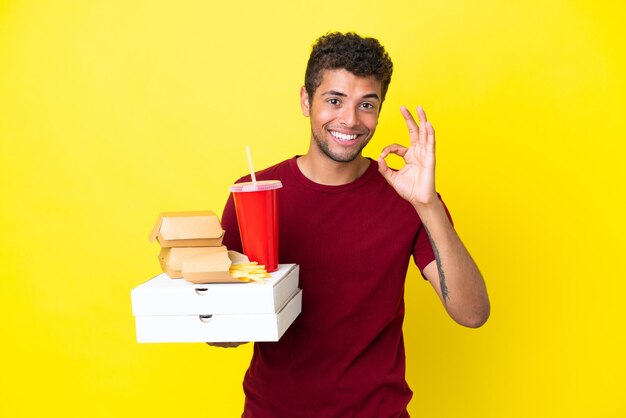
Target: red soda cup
256,205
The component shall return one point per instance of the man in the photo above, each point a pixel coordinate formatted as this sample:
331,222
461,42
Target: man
352,224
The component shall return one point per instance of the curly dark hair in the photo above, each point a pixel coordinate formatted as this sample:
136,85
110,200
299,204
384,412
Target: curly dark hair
363,57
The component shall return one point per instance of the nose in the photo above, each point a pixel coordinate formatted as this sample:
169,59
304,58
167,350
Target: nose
348,116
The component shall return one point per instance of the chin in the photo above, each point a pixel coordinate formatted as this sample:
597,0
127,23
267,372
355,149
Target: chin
347,157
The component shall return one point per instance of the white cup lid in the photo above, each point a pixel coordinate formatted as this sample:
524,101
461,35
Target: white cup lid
260,186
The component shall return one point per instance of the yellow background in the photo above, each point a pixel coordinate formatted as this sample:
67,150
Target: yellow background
112,111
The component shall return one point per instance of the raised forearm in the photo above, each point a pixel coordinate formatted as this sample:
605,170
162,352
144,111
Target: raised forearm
454,273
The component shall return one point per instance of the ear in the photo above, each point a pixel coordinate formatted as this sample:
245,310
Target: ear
304,102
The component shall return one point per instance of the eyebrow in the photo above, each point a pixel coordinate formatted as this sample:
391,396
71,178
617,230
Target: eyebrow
340,94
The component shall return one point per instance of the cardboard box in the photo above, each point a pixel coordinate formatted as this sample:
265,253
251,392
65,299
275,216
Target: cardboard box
212,266
172,258
187,229
218,328
200,264
173,310
164,296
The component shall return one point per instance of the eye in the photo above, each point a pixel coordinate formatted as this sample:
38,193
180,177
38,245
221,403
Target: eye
367,106
333,101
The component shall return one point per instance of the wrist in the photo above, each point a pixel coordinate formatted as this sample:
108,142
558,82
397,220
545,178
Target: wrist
430,210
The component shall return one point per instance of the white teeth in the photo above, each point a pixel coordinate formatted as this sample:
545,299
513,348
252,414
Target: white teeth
343,137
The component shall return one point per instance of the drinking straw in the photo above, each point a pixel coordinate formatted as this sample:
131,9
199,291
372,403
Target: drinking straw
251,167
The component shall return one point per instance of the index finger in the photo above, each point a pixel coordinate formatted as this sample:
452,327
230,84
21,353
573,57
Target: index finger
397,149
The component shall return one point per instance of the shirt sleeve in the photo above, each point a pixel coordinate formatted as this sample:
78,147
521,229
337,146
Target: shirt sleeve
423,253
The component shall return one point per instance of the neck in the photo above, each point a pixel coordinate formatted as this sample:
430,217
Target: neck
323,170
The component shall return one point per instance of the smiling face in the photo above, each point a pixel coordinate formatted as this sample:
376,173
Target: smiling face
344,114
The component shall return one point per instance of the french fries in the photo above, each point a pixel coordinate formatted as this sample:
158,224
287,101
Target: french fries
249,271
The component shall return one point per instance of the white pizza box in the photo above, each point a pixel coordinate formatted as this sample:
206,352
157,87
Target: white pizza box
163,296
218,327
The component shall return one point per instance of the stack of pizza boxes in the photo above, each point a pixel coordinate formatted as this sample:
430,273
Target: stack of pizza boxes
197,299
